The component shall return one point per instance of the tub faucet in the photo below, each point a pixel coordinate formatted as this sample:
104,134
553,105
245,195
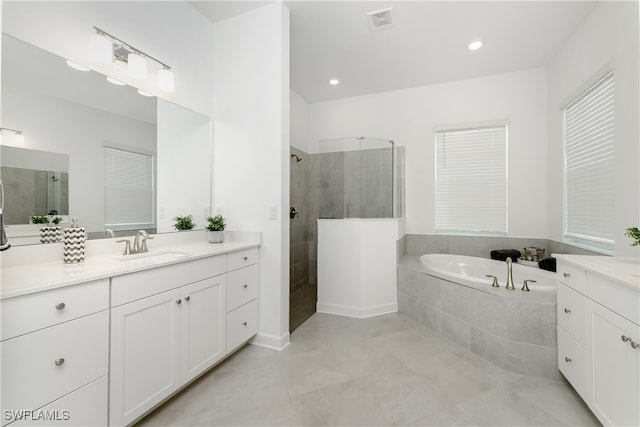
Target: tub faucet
509,275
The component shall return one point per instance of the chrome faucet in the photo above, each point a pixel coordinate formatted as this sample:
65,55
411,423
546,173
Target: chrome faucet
140,242
509,275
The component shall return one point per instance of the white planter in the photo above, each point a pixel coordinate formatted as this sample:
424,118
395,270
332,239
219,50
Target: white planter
215,236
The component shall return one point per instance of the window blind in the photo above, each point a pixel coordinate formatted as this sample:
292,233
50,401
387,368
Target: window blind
128,189
589,164
471,180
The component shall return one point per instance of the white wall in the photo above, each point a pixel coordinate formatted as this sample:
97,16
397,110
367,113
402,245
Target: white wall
251,148
608,37
409,117
300,137
84,141
171,31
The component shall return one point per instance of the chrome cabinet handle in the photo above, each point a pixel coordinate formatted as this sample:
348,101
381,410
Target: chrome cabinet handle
187,298
566,275
568,359
60,306
634,345
245,258
244,323
179,301
59,362
245,286
625,338
568,311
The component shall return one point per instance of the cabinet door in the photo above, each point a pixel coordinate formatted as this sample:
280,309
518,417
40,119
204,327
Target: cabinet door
145,355
616,368
203,326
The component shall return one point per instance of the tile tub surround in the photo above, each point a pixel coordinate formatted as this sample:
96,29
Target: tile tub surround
516,333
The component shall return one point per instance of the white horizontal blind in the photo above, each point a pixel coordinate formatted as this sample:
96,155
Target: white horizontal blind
128,189
471,180
589,164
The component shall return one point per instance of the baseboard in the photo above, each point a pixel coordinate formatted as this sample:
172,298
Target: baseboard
357,312
273,342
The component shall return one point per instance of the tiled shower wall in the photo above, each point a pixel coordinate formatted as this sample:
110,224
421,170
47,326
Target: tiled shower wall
302,238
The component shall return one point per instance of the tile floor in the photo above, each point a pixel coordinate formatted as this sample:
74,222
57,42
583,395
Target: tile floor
386,370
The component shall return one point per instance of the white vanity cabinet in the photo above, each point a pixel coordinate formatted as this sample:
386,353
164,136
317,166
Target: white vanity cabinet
161,341
242,294
599,342
55,356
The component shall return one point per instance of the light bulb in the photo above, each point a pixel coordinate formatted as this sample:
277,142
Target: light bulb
137,66
166,80
100,48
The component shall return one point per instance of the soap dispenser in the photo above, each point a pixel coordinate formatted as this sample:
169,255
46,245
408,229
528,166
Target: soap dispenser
74,241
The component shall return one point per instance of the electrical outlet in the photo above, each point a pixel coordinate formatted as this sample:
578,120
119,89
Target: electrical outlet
163,212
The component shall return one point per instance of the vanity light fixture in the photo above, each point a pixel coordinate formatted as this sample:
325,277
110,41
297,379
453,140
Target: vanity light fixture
17,138
77,66
475,45
135,60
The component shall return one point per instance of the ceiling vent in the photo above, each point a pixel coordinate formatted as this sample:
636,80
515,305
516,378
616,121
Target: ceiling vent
380,18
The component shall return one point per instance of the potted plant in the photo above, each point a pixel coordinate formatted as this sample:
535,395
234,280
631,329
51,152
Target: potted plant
215,227
634,233
184,223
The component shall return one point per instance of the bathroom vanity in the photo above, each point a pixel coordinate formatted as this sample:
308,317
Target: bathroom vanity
599,334
106,341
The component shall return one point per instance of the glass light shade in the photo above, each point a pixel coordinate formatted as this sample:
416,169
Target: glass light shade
166,80
143,93
137,66
77,66
17,139
100,48
115,81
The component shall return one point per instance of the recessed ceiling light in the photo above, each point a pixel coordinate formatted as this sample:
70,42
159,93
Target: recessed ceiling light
475,45
334,82
77,66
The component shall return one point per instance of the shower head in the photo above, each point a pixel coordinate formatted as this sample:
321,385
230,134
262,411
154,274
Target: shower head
298,159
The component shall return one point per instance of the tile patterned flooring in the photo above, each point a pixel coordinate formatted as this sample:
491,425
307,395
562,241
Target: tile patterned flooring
381,371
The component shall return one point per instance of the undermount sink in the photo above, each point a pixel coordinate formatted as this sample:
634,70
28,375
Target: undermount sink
151,257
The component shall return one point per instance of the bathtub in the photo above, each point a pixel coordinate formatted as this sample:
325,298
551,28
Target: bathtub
471,272
514,330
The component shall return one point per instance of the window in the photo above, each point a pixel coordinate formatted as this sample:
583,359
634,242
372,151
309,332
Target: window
128,189
471,180
589,166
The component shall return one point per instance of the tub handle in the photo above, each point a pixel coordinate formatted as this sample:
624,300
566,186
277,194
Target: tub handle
495,281
525,287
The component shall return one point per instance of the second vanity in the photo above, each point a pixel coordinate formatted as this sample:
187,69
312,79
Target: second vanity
106,341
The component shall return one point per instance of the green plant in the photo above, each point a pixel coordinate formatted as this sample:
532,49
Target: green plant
42,219
56,220
216,223
184,223
634,233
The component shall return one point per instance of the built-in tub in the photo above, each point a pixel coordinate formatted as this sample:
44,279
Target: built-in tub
513,329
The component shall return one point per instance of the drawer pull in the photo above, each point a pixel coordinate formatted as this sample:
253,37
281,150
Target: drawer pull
245,286
187,298
568,311
568,359
566,275
625,338
245,258
244,323
634,345
179,301
59,362
60,306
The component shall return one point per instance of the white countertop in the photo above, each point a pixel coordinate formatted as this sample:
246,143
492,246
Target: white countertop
25,278
622,270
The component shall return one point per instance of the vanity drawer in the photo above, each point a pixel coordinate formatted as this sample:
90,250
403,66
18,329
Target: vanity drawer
242,258
242,324
573,363
242,286
39,367
135,286
84,407
574,277
29,313
572,313
621,299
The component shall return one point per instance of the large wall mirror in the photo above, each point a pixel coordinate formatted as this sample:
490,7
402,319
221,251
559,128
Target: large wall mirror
132,161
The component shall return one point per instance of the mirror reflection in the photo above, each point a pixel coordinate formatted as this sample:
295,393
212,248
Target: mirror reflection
112,138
